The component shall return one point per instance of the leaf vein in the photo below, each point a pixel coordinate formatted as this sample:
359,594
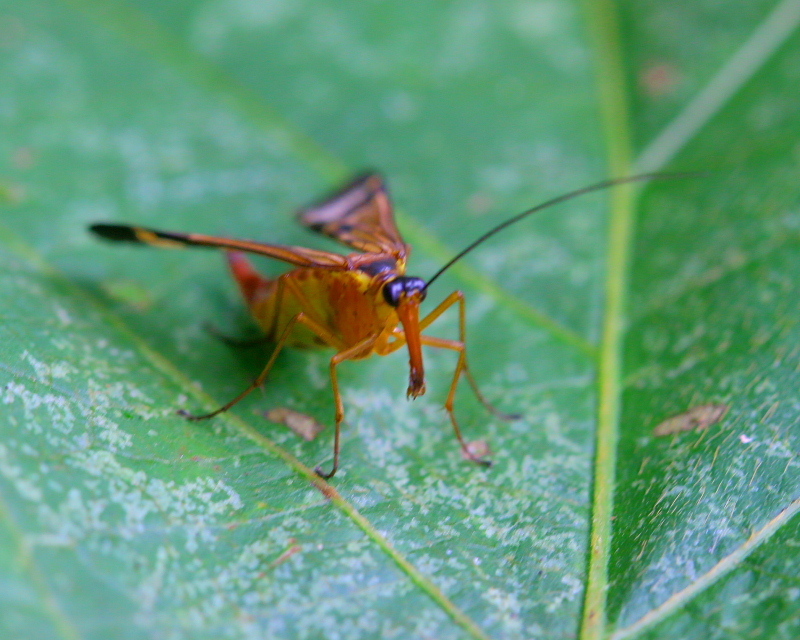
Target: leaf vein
718,571
765,40
24,557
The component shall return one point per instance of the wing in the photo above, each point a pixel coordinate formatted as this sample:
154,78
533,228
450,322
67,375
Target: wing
298,256
360,216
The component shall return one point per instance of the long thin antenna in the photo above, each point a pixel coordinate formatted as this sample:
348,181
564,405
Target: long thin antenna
605,184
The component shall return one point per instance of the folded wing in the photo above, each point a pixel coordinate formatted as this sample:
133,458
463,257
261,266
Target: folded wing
360,216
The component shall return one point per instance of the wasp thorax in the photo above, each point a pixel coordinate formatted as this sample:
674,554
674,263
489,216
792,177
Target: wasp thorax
395,291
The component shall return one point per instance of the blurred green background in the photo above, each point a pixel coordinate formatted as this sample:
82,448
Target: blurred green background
118,519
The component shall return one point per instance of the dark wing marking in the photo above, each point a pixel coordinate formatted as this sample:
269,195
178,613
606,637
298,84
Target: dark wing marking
298,256
360,216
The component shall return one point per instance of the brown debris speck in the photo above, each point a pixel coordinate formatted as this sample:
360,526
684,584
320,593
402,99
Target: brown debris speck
478,449
695,419
303,425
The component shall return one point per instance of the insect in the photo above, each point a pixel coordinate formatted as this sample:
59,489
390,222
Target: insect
361,304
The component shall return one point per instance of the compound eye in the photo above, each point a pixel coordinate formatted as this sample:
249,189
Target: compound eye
418,285
393,291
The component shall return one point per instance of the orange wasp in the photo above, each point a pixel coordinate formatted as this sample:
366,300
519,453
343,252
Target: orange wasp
359,304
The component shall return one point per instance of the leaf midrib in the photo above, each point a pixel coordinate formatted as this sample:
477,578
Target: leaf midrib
615,117
754,53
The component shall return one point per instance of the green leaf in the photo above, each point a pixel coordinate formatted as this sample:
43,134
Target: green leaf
597,320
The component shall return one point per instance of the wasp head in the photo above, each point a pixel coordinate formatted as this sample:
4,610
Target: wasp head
405,294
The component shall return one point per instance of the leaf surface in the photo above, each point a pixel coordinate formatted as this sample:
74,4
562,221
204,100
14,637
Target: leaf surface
120,519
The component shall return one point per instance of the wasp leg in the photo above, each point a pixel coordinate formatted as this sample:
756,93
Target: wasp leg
328,337
343,353
300,317
252,285
458,296
461,367
336,360
244,273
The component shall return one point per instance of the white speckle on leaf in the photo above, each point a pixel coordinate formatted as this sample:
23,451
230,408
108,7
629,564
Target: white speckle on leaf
24,482
151,588
542,24
316,375
221,20
539,18
570,594
508,608
49,371
62,315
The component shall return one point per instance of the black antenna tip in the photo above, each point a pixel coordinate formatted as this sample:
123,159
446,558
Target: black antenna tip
118,232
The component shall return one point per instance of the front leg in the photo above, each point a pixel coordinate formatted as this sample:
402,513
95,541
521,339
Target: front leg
336,360
463,366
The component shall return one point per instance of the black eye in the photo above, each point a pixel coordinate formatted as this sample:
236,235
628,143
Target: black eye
416,285
392,292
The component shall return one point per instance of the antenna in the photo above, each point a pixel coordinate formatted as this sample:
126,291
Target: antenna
599,186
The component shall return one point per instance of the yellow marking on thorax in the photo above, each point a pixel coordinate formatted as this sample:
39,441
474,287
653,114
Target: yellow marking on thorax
358,308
